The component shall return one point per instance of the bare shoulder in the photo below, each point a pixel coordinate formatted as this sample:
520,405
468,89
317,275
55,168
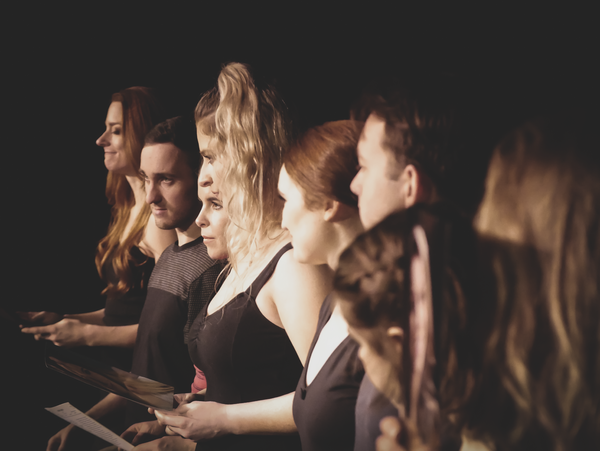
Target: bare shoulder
156,240
290,274
297,291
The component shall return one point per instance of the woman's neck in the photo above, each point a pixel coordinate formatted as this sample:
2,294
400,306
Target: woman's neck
346,232
136,185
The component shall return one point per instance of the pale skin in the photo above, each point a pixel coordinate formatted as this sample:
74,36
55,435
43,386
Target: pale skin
88,329
319,236
291,299
382,184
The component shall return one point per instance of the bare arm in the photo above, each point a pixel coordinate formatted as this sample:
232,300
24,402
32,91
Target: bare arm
46,318
292,298
200,420
71,332
89,318
297,290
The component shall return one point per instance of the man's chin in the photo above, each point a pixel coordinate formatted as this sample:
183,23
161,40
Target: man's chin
164,225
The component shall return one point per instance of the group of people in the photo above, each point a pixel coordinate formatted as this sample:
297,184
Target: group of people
331,291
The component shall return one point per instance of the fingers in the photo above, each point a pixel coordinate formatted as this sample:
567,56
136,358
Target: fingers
390,426
38,330
390,430
174,421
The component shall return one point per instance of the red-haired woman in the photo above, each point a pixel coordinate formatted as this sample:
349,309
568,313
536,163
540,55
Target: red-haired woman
321,214
125,256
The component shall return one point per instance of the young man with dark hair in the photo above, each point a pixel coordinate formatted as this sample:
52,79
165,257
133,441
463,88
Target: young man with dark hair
409,152
184,277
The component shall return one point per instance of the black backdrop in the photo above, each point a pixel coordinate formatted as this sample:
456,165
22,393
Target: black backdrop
62,63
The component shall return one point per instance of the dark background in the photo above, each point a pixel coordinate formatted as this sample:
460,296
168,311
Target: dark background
62,63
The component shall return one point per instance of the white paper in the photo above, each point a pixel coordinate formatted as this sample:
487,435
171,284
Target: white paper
73,415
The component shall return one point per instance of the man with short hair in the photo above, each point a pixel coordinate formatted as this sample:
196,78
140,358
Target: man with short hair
183,278
407,152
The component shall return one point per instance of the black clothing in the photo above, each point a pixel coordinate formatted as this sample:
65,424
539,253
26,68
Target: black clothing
371,407
182,273
125,309
245,358
324,410
160,352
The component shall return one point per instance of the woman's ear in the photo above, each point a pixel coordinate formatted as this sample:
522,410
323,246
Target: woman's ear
396,334
336,211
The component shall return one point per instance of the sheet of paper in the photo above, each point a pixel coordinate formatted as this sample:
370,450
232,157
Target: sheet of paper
73,415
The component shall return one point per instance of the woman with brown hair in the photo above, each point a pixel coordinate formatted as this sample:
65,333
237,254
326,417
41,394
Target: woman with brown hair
125,256
321,214
252,338
406,289
540,223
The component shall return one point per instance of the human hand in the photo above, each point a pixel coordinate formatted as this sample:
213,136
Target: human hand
40,318
197,420
69,438
184,398
143,432
393,433
67,332
168,443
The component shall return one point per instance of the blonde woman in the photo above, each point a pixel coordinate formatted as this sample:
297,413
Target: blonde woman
253,337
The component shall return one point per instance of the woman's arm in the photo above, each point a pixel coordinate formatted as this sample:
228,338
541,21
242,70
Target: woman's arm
292,299
297,291
199,420
71,332
89,318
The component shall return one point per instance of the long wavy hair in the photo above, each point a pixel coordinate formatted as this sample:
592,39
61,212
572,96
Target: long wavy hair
251,128
373,283
540,219
141,111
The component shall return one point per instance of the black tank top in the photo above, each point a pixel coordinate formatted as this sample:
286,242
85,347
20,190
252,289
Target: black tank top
245,357
324,410
125,309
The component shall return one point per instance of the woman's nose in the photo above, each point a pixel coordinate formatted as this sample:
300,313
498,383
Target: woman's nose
102,141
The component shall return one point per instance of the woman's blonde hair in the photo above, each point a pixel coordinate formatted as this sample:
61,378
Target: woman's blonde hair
141,112
540,217
252,132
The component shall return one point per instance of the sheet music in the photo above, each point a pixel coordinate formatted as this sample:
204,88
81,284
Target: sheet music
73,415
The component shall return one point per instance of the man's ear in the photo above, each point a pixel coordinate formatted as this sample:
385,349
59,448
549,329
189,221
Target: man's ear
336,211
416,186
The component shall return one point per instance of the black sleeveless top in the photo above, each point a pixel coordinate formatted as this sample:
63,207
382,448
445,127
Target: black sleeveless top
245,358
125,309
324,410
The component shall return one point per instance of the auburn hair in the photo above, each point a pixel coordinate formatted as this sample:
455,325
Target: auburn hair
141,111
323,162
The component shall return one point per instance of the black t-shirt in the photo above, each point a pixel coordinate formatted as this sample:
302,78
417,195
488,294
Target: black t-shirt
183,273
